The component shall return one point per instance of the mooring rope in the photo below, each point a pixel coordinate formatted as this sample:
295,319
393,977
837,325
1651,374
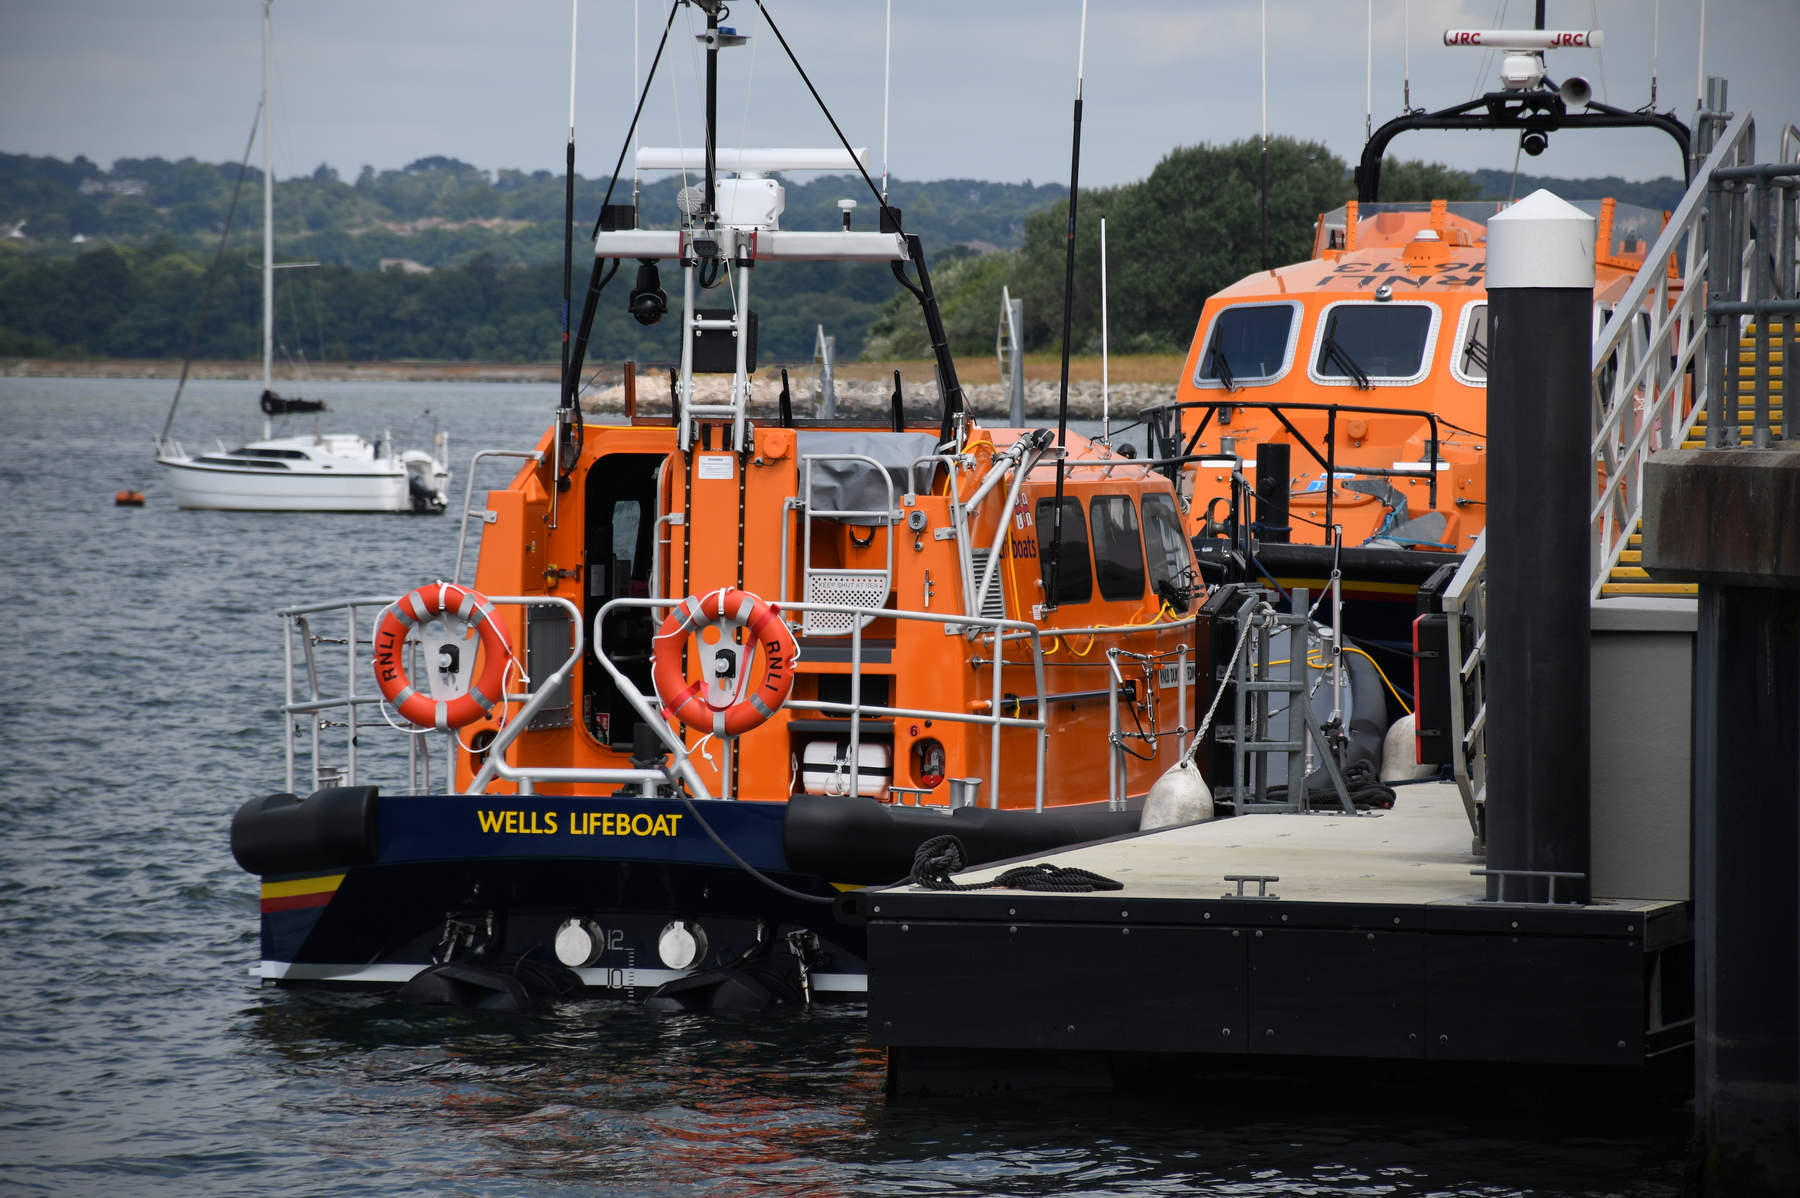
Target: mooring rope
942,856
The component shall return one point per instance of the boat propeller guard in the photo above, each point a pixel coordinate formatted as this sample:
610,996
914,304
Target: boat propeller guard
747,638
444,617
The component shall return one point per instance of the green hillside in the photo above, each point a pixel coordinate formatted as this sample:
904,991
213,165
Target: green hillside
113,262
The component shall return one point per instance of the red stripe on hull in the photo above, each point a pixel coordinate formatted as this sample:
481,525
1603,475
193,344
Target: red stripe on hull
294,902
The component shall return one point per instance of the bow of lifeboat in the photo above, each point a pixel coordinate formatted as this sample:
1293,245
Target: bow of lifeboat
1349,392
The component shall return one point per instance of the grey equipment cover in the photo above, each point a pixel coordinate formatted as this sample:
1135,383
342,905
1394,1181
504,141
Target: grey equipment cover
852,486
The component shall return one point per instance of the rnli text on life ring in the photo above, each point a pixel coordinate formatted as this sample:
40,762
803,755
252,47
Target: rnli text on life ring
390,656
723,702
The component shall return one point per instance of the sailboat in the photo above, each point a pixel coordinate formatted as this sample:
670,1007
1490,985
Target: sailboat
333,472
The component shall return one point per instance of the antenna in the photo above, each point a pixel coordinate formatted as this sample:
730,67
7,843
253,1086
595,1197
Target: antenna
635,174
268,279
1406,56
1655,48
1062,408
1369,80
1265,134
569,201
1105,407
1700,66
887,76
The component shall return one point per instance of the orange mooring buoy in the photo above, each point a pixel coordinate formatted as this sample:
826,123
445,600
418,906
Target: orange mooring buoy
129,499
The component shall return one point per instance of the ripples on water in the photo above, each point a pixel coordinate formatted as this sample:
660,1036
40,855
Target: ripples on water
141,669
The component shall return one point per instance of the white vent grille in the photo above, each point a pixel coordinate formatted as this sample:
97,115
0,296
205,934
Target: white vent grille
852,588
993,605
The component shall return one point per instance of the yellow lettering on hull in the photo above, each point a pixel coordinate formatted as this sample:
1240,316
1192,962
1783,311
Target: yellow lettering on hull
580,823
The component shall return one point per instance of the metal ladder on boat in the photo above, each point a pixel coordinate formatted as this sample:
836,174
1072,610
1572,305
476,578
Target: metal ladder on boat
835,584
1252,688
733,245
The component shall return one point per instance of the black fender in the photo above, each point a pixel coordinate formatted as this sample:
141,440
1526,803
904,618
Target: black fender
285,834
856,838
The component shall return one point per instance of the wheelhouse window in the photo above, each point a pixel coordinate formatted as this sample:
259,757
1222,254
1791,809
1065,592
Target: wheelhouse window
1364,344
1166,548
1472,347
1249,343
1075,574
1118,549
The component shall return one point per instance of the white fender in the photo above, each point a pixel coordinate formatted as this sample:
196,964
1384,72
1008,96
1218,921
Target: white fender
1399,753
1180,796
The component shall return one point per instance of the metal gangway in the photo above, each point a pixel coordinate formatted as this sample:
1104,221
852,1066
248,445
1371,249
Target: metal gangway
1669,358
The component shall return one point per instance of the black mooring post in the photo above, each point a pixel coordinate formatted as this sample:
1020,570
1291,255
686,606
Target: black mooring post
1273,462
1540,265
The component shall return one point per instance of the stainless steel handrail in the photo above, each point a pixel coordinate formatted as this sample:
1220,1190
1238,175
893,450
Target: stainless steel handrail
462,536
1000,630
296,617
886,516
1648,344
1467,595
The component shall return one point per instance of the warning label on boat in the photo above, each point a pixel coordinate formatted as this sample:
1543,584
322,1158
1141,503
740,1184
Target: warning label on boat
716,465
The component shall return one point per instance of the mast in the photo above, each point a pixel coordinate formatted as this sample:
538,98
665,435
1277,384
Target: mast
710,208
268,271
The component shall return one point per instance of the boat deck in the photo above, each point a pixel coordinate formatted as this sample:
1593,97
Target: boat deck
1375,941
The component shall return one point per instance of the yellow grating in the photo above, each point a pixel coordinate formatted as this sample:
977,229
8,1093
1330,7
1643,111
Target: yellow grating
1649,588
1630,578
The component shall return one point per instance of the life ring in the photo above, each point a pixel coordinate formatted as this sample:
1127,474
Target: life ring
723,702
414,609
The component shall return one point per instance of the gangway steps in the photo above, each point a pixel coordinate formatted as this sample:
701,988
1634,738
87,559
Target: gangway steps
1696,438
1630,578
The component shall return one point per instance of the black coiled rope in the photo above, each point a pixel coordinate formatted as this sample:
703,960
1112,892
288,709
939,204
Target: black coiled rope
942,856
1364,785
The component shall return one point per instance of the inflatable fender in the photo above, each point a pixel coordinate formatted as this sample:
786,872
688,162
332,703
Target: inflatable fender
283,834
853,838
1400,753
1366,722
1180,796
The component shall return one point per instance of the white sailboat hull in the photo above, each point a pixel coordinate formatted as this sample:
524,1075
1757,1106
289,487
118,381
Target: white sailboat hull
304,474
196,485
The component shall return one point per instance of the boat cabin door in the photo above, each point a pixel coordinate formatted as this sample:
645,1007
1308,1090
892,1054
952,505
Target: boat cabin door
621,526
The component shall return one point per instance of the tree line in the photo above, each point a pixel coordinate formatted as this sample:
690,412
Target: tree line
1190,228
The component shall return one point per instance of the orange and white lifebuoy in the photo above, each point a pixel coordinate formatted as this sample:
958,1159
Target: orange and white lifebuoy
416,608
724,702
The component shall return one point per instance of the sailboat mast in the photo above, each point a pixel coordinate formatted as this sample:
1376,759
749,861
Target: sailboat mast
268,272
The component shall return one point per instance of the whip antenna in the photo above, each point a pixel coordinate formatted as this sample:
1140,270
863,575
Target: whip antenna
887,77
1406,55
569,202
1265,134
1062,408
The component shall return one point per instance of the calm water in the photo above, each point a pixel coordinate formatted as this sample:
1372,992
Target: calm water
140,663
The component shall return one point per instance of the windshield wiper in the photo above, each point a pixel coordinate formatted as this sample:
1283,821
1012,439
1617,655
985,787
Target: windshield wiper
1222,371
1476,352
1335,353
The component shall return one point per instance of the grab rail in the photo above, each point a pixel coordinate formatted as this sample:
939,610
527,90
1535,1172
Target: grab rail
1000,631
297,617
462,536
1467,596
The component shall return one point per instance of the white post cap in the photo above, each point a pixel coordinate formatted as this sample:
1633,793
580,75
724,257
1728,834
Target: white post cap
1541,241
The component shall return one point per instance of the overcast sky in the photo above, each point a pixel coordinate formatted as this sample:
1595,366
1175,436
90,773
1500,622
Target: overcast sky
981,89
